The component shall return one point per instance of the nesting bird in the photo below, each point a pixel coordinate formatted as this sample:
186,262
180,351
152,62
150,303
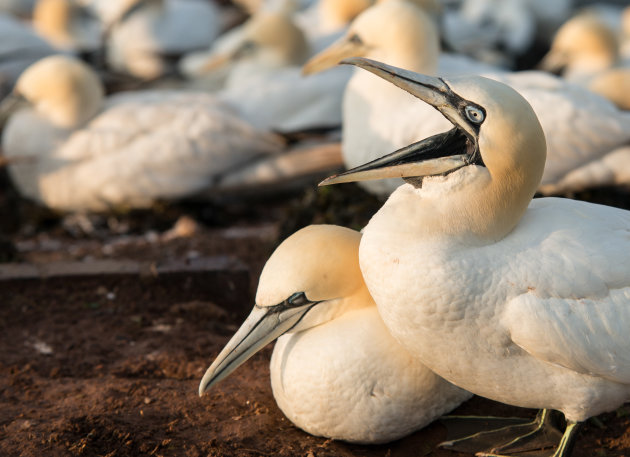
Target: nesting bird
583,47
586,50
127,150
528,301
263,60
149,39
580,126
335,370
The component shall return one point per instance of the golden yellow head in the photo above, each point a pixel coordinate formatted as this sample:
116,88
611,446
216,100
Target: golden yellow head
63,89
582,44
396,32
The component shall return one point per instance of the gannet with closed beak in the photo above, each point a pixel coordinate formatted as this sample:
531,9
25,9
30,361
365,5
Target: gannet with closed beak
527,301
335,371
96,153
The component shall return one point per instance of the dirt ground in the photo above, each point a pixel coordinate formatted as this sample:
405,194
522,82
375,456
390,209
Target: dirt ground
109,364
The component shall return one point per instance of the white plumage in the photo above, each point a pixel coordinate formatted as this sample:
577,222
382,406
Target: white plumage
550,313
135,148
350,380
148,39
337,372
263,60
529,302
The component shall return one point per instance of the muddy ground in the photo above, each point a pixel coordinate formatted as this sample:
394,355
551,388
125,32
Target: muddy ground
108,324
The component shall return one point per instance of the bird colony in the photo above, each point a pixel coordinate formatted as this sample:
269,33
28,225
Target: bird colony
467,118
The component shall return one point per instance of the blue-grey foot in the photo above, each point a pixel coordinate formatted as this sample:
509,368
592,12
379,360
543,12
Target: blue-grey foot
541,437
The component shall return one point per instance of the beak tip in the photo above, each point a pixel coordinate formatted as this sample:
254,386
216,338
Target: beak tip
203,388
328,181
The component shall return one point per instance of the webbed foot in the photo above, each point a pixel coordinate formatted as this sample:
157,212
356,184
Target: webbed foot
516,437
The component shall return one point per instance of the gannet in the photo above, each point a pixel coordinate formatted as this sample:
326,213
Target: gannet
580,126
583,47
146,42
335,371
586,50
265,63
67,25
19,48
527,301
127,150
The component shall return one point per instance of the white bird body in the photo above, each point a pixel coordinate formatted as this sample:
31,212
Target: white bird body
263,59
349,379
528,301
143,41
581,127
335,371
285,100
515,317
136,148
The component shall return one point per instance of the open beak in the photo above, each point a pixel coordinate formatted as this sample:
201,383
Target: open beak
341,49
437,155
262,326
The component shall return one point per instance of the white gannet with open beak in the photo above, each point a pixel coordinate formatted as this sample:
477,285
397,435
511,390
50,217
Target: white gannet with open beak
527,301
335,371
580,126
76,150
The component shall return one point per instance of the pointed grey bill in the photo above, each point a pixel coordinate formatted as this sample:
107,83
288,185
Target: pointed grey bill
437,155
262,326
429,89
424,158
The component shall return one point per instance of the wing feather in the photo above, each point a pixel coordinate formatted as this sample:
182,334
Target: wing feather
576,309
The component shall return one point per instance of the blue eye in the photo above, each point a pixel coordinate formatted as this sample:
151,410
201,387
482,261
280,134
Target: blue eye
475,115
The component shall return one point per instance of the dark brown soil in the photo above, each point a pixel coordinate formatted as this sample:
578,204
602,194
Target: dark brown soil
108,365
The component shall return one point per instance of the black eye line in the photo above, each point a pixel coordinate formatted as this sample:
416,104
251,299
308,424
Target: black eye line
356,39
296,300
